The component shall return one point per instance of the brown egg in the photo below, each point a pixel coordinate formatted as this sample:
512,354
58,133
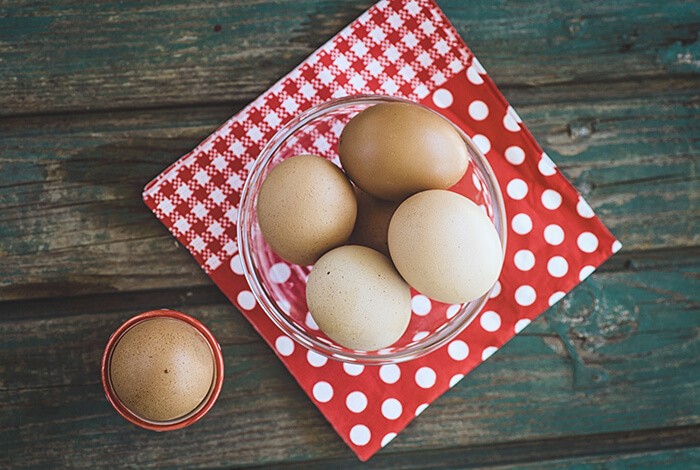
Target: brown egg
358,299
306,206
394,150
372,225
445,246
162,369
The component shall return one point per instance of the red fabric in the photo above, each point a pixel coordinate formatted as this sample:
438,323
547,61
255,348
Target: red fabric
405,49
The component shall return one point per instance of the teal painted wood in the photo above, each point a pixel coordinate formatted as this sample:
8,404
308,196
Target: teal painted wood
74,55
97,98
681,459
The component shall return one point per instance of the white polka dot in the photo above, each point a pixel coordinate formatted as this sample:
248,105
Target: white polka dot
510,123
556,297
458,350
356,402
583,209
473,75
442,98
391,408
421,408
421,305
388,438
496,290
360,435
476,182
488,352
479,67
279,273
420,335
323,392
490,321
425,377
284,345
285,306
514,114
389,373
525,295
310,322
315,359
353,369
616,246
478,110
453,309
455,379
524,260
515,155
521,324
546,165
587,242
551,199
517,189
585,272
237,265
482,142
557,266
553,234
521,224
246,300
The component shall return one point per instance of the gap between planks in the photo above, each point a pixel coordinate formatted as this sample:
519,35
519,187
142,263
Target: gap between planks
650,82
522,452
179,297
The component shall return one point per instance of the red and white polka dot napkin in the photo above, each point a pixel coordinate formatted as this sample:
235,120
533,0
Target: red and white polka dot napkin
406,49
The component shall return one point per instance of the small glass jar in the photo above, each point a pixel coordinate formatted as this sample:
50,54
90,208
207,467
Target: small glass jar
316,131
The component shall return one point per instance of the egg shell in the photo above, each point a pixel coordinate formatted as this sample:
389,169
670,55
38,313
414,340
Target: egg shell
306,206
162,369
394,150
445,247
357,298
372,224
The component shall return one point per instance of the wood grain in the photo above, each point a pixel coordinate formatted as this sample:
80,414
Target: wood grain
681,459
73,219
654,448
103,55
621,334
96,98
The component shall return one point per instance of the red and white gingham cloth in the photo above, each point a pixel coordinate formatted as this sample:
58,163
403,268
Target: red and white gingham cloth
405,49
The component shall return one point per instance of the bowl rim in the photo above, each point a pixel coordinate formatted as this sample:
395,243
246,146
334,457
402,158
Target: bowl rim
189,418
432,342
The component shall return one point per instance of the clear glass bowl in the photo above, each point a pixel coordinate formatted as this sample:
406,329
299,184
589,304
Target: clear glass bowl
280,287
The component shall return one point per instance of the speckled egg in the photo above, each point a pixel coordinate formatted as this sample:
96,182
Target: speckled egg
162,369
394,150
306,206
445,246
372,224
358,299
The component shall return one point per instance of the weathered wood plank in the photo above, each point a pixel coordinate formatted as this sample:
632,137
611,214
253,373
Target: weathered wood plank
658,448
74,55
680,459
72,219
193,297
573,372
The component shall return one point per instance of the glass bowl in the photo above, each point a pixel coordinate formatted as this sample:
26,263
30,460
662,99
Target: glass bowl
280,287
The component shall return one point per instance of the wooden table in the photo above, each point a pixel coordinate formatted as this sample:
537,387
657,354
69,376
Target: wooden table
98,97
